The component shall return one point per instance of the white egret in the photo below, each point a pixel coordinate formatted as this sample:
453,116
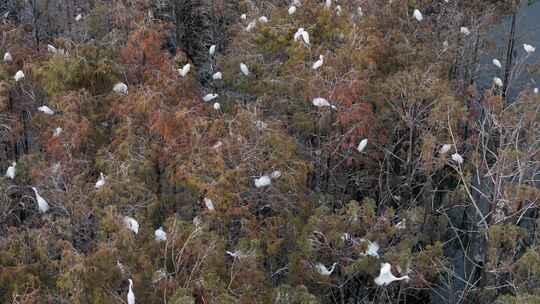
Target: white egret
535,90
445,148
160,235
251,25
386,277
7,57
130,295
297,3
217,76
301,33
57,131
320,102
292,10
323,270
131,224
244,69
263,19
418,15
19,75
78,17
10,172
217,145
497,81
101,181
497,63
457,158
360,12
260,125
529,48
120,88
210,97
184,70
362,145
372,249
217,106
51,49
45,109
212,49
465,31
209,204
43,206
445,44
263,181
338,10
318,63
328,4
275,174
243,16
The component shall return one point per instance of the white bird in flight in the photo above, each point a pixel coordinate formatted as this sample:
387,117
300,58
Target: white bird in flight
184,70
263,181
210,97
131,224
301,33
445,148
45,109
418,15
19,75
318,63
457,158
244,69
10,172
497,63
497,81
217,76
43,206
101,181
362,145
529,48
130,295
8,57
321,269
386,277
209,204
160,235
292,10
120,88
465,31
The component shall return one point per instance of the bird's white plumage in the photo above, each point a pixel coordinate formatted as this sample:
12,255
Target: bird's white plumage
45,109
131,224
78,17
327,4
465,31
445,148
321,269
263,181
338,10
184,70
535,90
19,75
275,174
121,88
217,76
497,63
386,277
529,48
217,106
251,25
317,64
372,249
301,33
101,181
209,204
210,97
130,295
244,69
243,16
10,172
160,235
57,131
263,19
362,145
497,81
418,15
291,10
212,49
320,102
51,49
43,206
8,57
457,158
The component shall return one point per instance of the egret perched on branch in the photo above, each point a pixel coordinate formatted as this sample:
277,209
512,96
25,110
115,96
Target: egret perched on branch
101,181
43,206
323,270
362,145
320,102
529,48
10,172
120,88
292,10
301,33
244,69
386,277
131,224
496,63
457,158
318,63
19,75
212,49
418,15
45,109
184,70
130,295
160,235
217,106
497,81
217,76
7,57
263,181
78,17
445,148
209,204
465,31
210,97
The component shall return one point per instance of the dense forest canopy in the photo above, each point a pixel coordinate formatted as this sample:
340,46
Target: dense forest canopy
312,151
